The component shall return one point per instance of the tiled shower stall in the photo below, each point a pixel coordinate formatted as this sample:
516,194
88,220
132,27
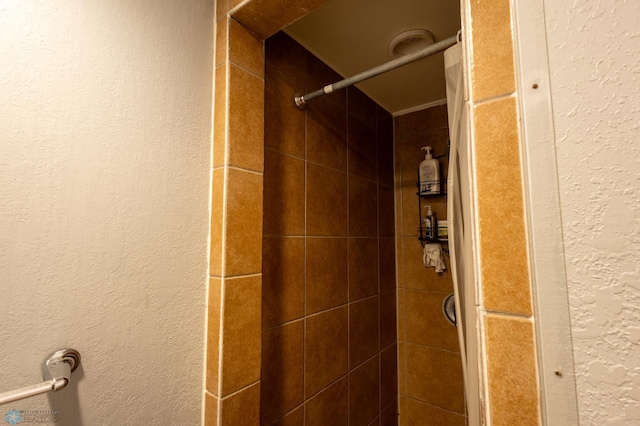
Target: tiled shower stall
306,327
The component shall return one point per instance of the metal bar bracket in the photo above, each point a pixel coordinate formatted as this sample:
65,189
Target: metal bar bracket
56,371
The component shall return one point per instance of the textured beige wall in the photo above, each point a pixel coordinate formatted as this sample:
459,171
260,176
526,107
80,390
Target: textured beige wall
594,60
105,120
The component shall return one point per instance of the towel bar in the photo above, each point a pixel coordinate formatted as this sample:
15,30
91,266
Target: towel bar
56,371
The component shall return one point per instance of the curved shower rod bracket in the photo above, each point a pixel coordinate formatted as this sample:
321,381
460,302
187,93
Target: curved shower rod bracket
56,371
302,100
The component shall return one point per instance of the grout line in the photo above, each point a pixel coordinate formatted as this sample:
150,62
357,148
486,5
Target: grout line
494,99
304,290
432,405
235,277
507,314
289,412
255,172
234,393
259,77
346,140
421,132
407,342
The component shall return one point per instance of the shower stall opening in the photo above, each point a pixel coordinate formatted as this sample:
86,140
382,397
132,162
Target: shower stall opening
352,324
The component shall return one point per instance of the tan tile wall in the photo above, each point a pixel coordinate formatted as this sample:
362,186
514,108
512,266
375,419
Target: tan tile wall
232,395
430,373
506,306
329,308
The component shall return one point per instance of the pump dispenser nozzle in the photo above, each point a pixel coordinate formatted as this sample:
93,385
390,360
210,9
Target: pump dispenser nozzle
427,149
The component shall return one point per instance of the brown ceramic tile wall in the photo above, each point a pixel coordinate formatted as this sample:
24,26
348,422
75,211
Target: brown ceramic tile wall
234,333
329,307
430,383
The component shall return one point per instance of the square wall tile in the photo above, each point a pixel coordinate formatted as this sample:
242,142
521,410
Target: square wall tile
402,368
326,349
222,37
284,123
397,162
210,410
222,8
363,267
362,150
389,415
361,106
326,276
327,201
243,217
399,263
266,17
492,70
213,334
282,280
329,407
245,50
245,138
389,375
327,133
401,315
220,116
402,411
386,206
283,194
416,276
364,393
421,121
287,56
411,214
444,369
217,219
387,264
363,208
363,331
387,318
385,147
505,266
241,408
241,333
294,418
398,210
319,75
426,325
511,370
282,370
421,414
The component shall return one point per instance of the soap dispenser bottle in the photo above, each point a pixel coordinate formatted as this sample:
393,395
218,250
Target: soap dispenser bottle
429,173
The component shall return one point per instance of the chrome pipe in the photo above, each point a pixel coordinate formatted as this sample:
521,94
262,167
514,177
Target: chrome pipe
301,101
56,370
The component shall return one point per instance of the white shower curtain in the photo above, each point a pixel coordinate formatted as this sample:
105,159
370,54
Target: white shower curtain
459,217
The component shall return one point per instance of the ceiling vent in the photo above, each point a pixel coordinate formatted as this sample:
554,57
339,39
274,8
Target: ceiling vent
410,41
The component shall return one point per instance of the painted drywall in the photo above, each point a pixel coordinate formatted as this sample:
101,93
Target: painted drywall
105,120
594,52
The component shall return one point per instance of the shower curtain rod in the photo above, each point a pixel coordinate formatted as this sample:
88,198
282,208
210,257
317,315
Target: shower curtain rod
301,101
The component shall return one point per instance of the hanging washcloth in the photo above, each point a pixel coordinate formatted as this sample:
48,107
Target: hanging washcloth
432,257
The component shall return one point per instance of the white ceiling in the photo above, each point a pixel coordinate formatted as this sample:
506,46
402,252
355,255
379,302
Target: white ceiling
352,36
